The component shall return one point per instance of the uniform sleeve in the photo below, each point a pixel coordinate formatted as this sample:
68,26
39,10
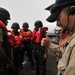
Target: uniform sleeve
70,70
1,35
57,50
52,47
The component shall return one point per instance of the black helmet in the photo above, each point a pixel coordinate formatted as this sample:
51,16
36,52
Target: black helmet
38,23
4,14
57,7
25,24
15,25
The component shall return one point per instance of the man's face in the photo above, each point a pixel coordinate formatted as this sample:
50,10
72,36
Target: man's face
25,28
15,29
37,28
64,21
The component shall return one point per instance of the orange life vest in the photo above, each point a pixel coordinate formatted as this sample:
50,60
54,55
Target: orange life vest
18,40
11,38
37,35
27,35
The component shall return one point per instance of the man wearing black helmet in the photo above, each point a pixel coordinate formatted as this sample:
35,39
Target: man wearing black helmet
63,12
40,53
27,42
5,57
17,48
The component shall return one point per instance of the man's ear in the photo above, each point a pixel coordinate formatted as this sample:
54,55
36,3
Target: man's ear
71,10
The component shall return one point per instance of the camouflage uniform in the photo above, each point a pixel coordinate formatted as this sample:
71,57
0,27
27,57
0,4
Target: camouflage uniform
7,49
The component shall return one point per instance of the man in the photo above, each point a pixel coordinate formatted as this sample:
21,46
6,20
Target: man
17,48
63,11
40,53
5,53
27,43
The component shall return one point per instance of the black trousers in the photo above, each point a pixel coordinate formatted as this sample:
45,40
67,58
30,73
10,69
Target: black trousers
39,59
28,47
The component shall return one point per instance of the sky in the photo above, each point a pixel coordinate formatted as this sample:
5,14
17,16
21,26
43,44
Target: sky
28,11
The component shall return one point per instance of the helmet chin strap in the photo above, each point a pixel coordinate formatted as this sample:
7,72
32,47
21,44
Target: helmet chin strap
71,11
66,28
